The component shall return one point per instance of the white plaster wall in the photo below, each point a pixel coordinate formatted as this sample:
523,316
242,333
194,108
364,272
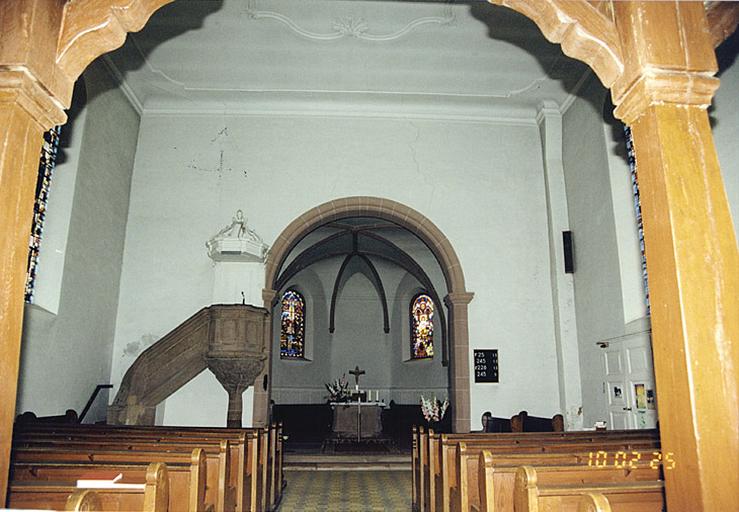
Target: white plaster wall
202,402
598,295
624,217
480,183
725,115
562,283
49,272
65,355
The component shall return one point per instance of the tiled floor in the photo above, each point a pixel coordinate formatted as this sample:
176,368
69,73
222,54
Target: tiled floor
347,491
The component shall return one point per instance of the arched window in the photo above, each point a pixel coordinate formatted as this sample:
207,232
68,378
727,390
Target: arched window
422,327
292,326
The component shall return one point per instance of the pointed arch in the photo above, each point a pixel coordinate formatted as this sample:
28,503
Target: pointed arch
374,277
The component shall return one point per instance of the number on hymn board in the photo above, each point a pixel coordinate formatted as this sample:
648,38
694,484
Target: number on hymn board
486,365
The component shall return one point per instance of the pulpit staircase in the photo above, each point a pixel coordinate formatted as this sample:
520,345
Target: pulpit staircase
229,339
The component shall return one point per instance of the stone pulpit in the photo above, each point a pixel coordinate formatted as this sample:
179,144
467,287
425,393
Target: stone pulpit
229,339
236,352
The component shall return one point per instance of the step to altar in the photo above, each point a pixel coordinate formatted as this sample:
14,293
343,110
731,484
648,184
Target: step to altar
354,462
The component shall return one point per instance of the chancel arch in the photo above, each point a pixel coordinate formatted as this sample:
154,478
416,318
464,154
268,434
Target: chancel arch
377,214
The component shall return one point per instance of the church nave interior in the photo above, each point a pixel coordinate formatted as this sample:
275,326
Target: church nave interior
377,255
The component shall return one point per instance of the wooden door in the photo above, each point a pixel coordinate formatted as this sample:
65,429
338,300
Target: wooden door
629,383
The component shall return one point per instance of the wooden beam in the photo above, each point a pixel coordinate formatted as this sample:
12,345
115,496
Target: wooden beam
690,246
20,138
723,18
694,289
586,32
26,111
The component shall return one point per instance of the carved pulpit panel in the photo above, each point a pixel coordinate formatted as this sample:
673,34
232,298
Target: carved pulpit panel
237,351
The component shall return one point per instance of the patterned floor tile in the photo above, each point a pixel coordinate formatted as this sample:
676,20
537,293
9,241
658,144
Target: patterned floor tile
347,491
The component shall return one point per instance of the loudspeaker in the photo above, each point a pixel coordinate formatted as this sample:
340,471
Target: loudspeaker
569,252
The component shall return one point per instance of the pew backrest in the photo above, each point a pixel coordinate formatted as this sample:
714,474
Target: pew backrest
593,502
48,496
532,496
83,500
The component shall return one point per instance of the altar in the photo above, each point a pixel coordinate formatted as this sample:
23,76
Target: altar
357,421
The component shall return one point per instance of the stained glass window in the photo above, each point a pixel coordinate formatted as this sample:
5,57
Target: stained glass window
422,327
637,207
292,326
43,182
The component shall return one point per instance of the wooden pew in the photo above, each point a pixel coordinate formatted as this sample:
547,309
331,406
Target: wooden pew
522,422
431,444
532,494
525,448
464,491
254,457
593,502
218,495
419,469
186,482
496,481
269,453
84,500
48,496
415,468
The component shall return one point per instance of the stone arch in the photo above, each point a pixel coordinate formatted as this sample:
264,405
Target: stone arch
456,300
365,206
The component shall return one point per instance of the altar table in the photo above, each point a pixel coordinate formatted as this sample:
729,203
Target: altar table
357,420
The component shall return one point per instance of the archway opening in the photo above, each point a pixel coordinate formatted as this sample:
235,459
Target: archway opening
359,262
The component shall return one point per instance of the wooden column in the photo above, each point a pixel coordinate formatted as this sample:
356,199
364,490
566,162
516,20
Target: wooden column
21,138
690,246
26,110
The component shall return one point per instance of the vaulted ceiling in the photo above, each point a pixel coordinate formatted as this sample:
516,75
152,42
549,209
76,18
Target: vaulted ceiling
431,58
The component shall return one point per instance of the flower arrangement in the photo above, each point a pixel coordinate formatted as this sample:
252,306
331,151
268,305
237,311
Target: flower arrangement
338,390
433,410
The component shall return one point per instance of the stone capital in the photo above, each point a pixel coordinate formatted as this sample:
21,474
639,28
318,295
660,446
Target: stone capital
268,296
458,299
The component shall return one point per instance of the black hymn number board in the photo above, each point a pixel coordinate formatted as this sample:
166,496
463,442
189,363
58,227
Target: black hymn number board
486,365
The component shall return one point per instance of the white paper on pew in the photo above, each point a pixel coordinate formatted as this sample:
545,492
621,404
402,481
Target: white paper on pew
102,484
112,482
